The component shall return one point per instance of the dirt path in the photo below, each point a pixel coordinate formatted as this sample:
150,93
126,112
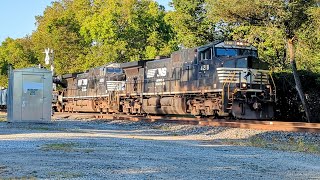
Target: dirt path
113,150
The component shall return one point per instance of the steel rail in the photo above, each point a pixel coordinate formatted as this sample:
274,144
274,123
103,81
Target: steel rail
244,124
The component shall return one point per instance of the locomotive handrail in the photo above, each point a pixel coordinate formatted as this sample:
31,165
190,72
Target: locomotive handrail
275,88
234,74
228,80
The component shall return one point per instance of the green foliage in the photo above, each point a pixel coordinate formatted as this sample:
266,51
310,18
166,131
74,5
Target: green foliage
308,46
190,23
18,53
58,29
127,30
86,33
266,24
289,105
66,147
269,40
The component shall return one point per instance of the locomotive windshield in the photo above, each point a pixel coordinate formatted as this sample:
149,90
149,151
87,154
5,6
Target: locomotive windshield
114,70
226,52
249,62
235,52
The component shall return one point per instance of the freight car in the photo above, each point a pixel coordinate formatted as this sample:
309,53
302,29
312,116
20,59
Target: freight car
221,79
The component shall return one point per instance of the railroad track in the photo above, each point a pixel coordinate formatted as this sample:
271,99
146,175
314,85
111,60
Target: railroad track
245,124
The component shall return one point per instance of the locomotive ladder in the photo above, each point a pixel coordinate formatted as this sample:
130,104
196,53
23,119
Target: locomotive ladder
228,82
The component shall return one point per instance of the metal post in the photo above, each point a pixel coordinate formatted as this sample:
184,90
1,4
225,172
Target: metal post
49,59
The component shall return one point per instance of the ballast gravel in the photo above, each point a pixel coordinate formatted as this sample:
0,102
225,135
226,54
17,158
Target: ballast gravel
104,149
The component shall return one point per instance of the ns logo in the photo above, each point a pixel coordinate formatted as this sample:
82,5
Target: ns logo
158,72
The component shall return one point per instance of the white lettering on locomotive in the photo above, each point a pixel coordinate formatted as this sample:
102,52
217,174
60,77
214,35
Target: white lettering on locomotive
158,72
82,82
115,86
160,82
162,72
205,67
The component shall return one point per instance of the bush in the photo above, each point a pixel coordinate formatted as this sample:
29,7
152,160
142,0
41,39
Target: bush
289,106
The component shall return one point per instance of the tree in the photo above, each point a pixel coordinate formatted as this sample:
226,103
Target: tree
18,53
128,30
308,46
286,15
269,41
59,29
190,23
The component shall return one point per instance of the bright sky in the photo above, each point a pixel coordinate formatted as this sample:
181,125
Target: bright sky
17,17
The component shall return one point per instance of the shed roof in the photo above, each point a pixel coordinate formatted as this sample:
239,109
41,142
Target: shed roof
32,69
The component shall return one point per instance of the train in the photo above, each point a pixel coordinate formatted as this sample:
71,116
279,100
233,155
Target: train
222,79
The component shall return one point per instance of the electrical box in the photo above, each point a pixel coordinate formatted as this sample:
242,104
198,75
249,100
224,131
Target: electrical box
29,96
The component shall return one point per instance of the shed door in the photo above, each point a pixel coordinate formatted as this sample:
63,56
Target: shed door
32,97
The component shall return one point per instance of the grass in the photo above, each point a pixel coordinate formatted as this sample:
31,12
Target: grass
291,145
21,178
3,118
163,128
64,175
66,147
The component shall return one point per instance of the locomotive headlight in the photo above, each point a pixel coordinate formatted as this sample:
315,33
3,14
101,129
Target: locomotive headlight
244,85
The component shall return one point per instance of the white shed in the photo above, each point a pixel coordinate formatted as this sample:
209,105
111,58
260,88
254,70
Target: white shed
29,95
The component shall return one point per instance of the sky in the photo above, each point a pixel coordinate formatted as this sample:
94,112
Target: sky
17,17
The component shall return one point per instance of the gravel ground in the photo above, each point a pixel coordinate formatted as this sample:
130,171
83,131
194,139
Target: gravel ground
90,149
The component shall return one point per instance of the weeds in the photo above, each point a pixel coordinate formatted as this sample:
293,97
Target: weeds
64,175
163,128
293,145
257,142
66,147
3,119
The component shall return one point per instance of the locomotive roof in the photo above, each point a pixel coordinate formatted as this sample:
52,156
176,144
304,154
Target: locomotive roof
158,60
110,65
132,64
70,75
235,44
228,44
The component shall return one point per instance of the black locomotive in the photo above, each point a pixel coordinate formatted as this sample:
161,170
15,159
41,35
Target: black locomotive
216,80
